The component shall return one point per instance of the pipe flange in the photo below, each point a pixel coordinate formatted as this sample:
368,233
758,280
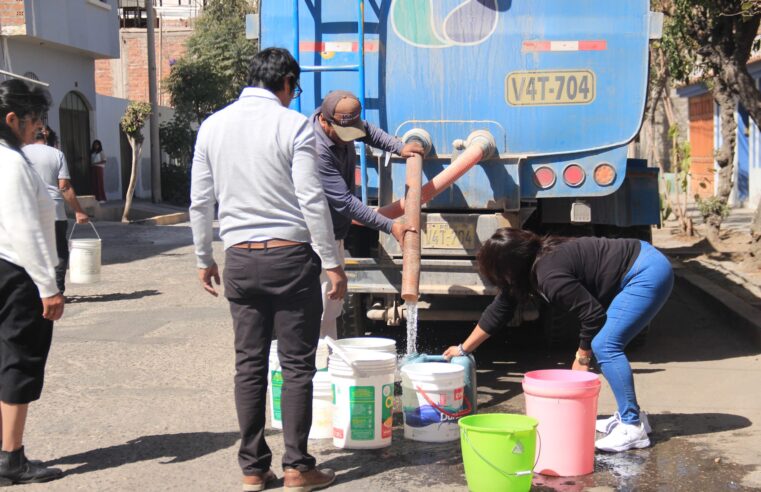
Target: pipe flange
485,139
419,135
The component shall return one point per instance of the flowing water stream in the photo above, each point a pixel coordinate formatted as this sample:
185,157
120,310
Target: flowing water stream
411,327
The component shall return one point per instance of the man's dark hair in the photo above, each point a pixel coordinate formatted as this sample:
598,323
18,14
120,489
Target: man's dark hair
270,67
24,100
40,136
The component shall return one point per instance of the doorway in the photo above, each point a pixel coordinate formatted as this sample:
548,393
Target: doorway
74,115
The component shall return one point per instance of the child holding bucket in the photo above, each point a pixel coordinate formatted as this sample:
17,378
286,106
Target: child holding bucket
614,287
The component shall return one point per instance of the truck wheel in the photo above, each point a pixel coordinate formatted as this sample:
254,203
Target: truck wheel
353,321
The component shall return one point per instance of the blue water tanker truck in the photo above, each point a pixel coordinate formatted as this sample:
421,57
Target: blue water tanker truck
546,94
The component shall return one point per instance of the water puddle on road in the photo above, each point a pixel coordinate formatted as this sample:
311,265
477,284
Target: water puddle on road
673,465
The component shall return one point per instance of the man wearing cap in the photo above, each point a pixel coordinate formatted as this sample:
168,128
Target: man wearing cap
337,124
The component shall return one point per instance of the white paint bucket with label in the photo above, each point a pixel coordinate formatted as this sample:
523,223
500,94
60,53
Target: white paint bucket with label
433,401
378,344
363,400
84,258
275,380
322,407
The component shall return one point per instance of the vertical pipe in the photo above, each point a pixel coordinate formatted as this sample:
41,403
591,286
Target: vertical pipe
361,90
153,99
296,44
411,248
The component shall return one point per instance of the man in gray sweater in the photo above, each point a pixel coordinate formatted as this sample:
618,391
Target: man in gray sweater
257,160
337,124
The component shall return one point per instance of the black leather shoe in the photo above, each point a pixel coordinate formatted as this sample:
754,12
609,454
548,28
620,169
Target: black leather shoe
15,468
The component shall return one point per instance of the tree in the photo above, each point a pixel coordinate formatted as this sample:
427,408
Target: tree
132,125
213,71
714,38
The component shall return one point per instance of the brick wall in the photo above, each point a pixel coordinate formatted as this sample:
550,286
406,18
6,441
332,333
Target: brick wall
127,77
12,17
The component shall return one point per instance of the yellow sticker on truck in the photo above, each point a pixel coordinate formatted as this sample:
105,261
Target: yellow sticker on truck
550,87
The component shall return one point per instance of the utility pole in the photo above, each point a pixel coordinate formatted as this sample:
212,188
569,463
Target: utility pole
153,99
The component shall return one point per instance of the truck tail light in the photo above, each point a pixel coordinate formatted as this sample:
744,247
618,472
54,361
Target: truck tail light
574,175
605,174
544,177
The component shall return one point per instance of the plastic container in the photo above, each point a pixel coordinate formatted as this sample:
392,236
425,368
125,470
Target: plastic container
498,451
84,258
275,379
363,401
368,343
433,394
322,407
565,404
468,363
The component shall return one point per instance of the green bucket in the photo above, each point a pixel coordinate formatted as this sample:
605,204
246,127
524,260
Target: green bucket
498,450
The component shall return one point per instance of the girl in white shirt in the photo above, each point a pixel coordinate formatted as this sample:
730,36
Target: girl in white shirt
98,163
29,298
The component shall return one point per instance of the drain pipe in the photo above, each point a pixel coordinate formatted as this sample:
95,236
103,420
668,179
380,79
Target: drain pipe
480,146
412,197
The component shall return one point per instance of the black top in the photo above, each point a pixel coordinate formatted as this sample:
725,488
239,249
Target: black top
581,276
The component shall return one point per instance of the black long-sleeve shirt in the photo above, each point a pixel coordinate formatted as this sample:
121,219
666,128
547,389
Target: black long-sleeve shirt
581,276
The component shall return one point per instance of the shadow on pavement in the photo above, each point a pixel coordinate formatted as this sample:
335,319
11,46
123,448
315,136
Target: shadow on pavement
117,296
668,425
177,447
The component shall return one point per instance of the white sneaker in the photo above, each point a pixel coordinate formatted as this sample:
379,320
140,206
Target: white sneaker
624,437
604,426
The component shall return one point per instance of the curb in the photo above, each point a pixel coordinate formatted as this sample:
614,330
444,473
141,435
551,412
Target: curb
161,220
742,317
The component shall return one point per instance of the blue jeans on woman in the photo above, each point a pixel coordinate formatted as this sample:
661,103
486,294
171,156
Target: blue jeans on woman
644,291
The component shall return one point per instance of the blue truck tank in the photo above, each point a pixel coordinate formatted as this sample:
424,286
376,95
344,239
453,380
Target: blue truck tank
560,85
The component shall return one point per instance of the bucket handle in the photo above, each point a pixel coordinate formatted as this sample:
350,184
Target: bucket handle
91,225
506,474
456,415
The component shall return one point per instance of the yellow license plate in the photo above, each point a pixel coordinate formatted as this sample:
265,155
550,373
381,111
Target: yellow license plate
440,235
549,88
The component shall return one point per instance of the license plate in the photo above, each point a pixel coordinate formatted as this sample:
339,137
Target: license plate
440,235
549,88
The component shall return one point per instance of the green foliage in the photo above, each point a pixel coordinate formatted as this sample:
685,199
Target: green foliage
134,118
177,139
196,88
712,207
175,184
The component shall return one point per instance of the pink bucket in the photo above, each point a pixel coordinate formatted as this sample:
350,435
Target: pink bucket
565,404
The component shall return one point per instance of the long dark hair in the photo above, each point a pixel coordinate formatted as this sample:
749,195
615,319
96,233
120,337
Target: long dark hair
24,100
94,143
507,259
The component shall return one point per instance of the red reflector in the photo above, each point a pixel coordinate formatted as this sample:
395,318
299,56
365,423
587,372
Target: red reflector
574,175
544,177
605,174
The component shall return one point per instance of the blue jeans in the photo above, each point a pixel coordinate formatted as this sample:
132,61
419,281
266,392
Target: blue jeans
644,290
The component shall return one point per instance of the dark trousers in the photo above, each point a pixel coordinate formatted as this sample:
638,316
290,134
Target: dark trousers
25,336
98,178
274,291
62,245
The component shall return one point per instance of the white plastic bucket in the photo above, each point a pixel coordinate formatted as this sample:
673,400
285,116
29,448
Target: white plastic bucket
275,380
363,401
433,401
322,407
378,344
84,258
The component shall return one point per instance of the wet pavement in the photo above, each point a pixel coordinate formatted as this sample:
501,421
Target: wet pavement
138,392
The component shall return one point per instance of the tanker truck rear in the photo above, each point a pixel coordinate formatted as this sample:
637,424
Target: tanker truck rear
549,92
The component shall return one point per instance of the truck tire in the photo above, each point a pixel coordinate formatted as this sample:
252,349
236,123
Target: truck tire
353,321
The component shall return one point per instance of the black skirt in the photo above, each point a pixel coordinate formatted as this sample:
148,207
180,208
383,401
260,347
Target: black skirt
25,336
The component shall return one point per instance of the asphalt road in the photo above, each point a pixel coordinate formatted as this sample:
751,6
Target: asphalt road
138,393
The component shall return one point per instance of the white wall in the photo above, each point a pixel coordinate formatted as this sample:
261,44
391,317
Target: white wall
88,25
65,71
110,111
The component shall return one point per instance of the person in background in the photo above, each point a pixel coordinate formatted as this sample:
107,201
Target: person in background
337,124
98,167
256,158
29,298
614,287
50,164
51,137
